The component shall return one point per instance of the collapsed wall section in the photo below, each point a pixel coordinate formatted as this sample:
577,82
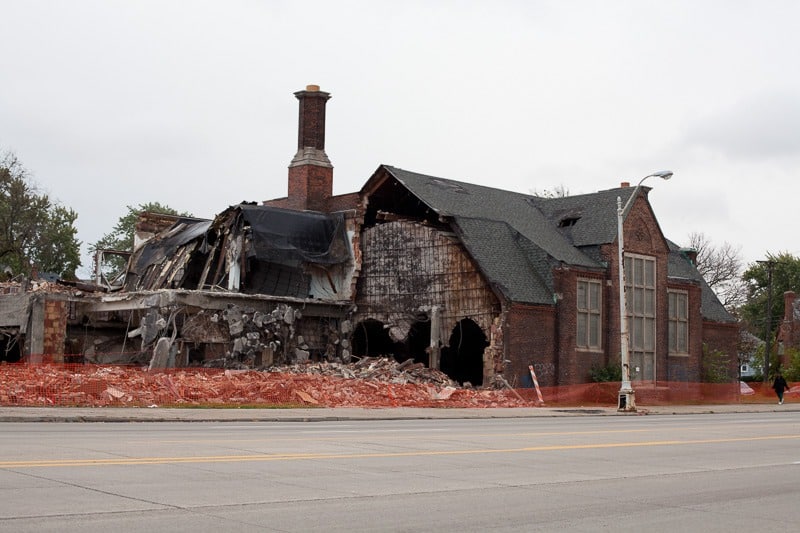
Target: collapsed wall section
411,271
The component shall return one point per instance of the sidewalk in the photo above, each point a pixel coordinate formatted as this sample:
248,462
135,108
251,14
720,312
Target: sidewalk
120,414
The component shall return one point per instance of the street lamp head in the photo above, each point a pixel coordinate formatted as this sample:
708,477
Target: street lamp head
664,174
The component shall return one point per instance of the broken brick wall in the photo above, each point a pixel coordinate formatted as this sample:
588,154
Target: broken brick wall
55,329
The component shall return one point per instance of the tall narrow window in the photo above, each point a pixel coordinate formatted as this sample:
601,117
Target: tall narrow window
678,322
587,334
640,294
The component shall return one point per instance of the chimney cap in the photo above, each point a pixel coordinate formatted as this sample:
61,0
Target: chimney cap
312,88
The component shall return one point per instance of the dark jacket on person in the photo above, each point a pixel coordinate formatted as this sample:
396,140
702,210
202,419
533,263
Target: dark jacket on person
780,384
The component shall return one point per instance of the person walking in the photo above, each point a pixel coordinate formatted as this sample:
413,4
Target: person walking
780,385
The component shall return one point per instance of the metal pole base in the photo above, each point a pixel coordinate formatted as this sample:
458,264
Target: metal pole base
627,401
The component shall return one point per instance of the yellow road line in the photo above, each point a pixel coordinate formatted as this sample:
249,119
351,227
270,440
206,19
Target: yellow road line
317,456
361,437
397,436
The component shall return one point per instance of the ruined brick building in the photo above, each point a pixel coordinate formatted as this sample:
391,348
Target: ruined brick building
471,279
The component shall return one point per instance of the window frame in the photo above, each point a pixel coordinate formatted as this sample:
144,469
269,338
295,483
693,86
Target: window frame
584,315
641,295
674,320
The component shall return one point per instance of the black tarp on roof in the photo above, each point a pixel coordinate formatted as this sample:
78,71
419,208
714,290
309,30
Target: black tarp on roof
294,237
279,243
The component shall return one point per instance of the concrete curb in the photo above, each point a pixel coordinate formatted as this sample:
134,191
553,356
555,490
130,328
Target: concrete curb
125,415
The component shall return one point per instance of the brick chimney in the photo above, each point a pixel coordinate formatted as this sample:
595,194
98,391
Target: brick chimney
690,254
788,305
310,172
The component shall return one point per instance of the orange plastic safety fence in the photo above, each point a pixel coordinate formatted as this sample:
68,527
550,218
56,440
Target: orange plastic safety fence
98,386
79,385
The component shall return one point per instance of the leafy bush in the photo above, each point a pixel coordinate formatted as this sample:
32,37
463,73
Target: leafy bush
609,372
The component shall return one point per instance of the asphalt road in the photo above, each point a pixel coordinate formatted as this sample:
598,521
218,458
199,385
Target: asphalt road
714,472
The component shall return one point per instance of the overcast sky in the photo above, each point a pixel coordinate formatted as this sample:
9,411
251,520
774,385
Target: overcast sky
190,104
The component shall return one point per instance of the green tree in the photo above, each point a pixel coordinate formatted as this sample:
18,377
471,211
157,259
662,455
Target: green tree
785,277
121,237
758,362
35,232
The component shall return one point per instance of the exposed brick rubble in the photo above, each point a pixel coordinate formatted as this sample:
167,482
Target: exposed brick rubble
38,286
375,369
371,382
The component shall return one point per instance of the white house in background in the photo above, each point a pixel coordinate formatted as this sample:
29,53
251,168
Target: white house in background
748,346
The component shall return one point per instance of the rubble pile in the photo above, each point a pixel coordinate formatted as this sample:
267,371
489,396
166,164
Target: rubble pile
374,368
369,382
14,287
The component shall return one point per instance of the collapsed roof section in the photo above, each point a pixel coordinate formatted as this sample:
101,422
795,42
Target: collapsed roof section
251,249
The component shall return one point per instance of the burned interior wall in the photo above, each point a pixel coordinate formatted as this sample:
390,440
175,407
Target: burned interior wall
407,268
14,321
35,323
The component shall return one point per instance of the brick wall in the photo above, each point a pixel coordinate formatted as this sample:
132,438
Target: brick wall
529,340
344,202
723,337
55,329
685,367
574,364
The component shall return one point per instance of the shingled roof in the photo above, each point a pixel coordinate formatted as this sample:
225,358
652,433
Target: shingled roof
680,267
510,237
517,239
594,215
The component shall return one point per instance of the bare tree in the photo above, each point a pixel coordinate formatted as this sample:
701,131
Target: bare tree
721,266
559,191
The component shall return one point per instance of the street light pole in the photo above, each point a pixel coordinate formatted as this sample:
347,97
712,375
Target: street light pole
627,396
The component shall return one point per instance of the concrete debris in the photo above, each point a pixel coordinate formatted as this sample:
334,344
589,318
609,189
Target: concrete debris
115,393
161,355
443,394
